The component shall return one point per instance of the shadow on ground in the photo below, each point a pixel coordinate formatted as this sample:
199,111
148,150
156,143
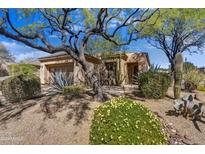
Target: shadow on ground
76,106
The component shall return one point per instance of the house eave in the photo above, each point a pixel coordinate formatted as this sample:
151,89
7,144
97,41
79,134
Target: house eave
65,56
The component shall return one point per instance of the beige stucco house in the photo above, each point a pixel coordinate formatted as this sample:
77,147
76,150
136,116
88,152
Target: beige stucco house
126,64
63,62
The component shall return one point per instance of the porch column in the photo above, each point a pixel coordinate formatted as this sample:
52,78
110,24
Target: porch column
42,73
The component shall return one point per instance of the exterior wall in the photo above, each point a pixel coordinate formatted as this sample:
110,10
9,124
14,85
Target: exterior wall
202,69
123,65
44,68
73,66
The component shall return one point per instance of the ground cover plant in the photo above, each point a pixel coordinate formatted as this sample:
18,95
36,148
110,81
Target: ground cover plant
123,121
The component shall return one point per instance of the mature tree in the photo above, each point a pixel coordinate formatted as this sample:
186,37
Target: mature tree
176,31
99,44
5,56
71,30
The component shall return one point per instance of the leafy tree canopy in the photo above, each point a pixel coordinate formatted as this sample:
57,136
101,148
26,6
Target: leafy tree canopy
176,30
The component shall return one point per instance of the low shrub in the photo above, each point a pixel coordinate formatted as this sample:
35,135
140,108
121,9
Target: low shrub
73,89
154,84
122,121
25,69
192,79
201,88
21,87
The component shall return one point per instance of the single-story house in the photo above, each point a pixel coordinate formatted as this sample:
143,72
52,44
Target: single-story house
127,64
62,62
202,69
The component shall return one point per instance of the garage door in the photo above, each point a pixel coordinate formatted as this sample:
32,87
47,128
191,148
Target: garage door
60,68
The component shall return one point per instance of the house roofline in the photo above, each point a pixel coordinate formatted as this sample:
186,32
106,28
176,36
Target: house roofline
65,55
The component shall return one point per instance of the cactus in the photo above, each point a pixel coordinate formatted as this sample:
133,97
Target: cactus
119,76
178,70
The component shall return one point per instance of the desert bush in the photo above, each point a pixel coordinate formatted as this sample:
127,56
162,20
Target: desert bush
21,87
154,84
192,79
123,121
25,69
201,88
73,89
59,80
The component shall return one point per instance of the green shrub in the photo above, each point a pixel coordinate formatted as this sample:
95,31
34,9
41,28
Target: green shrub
122,121
192,79
73,89
26,69
154,84
201,88
21,87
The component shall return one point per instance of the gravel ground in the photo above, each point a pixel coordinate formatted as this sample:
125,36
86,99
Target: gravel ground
69,126
185,127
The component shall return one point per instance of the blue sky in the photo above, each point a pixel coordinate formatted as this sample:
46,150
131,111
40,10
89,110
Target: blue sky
157,57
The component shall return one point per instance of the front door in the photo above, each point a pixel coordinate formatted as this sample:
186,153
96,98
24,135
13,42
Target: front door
132,73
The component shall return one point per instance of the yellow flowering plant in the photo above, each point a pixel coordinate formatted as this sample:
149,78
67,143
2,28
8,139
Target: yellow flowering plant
123,121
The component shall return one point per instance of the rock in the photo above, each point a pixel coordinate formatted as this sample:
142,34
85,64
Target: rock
170,124
200,96
173,130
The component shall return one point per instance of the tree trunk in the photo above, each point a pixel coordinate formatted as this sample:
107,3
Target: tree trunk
92,77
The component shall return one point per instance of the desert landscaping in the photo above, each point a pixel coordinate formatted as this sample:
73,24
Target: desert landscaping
82,77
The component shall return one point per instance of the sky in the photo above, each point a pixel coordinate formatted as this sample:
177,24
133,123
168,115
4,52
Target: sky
157,57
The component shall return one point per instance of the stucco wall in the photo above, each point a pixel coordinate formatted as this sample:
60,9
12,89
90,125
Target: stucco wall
78,73
44,68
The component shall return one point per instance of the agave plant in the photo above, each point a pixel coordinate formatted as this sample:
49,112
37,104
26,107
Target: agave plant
60,79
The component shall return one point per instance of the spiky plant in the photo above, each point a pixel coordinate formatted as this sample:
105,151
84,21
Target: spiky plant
178,70
59,80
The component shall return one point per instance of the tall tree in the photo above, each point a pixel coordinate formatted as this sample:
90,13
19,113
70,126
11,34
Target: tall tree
176,31
99,44
72,29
